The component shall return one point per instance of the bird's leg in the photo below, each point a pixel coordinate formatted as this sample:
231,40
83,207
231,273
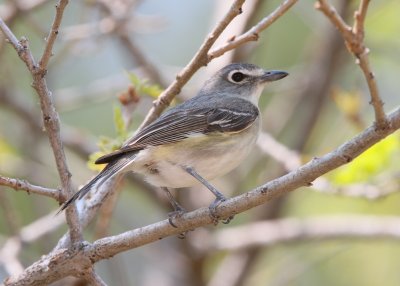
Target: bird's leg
178,209
219,197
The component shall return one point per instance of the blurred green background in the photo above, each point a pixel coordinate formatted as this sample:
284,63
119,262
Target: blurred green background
323,103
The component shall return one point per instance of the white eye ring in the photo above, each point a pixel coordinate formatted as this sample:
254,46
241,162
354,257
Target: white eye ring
236,76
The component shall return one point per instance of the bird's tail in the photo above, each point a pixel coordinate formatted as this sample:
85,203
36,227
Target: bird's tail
107,173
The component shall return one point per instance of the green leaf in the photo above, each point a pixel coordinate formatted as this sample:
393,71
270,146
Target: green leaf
92,158
119,122
106,144
135,80
378,158
143,87
152,90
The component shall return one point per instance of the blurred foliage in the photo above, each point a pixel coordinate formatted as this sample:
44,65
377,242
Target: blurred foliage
142,86
109,144
382,157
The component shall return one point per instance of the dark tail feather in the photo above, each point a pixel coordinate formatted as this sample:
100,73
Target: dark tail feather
109,171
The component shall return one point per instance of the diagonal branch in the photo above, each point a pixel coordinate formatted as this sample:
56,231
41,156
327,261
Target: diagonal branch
253,33
204,56
354,39
63,260
303,176
199,60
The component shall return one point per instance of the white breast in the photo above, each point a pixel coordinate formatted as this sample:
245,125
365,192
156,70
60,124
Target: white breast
211,157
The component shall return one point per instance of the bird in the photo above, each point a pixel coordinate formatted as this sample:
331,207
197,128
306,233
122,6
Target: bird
196,141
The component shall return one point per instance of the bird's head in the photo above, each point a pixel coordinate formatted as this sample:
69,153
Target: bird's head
242,80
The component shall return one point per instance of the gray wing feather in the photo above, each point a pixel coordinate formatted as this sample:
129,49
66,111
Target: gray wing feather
179,123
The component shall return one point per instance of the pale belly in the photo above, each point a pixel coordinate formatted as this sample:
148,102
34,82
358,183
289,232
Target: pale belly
163,165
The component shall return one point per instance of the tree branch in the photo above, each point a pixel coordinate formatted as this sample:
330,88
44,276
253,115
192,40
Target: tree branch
354,39
63,260
253,33
203,57
200,59
18,184
51,38
303,176
50,115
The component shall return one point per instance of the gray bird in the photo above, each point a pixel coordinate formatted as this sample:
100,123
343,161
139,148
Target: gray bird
196,141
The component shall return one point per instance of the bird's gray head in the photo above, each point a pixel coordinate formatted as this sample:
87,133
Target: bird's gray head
241,80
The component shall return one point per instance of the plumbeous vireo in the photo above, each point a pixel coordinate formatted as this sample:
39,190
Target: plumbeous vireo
196,141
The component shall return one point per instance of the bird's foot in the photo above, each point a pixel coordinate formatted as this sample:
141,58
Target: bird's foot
176,215
213,211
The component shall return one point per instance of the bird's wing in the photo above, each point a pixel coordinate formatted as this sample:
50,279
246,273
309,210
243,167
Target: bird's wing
180,124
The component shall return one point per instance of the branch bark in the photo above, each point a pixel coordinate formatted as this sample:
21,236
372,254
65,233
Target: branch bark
253,33
303,176
203,56
354,39
62,260
199,60
50,115
18,184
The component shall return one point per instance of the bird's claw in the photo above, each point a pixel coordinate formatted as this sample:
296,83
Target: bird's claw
213,211
176,214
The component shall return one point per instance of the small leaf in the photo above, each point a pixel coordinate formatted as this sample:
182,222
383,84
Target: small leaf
92,158
152,90
119,122
143,86
134,80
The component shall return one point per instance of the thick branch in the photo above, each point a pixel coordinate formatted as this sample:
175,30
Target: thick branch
19,184
63,261
303,176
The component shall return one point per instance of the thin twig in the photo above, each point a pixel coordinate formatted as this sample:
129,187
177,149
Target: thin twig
354,38
10,36
204,56
253,33
50,115
359,17
18,184
20,46
51,38
200,59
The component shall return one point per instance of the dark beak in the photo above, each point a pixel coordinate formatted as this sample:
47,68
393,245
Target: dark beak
273,76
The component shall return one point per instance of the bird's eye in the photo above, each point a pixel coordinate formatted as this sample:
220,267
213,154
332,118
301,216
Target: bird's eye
237,77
